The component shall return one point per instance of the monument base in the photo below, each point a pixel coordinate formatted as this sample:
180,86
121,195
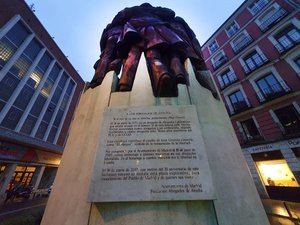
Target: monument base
237,201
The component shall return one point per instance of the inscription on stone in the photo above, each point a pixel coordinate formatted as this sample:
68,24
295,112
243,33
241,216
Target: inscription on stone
151,153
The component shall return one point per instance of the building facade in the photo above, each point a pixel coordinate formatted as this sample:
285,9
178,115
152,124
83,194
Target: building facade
39,91
254,58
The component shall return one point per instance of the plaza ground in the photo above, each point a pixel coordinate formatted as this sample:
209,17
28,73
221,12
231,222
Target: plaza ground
30,212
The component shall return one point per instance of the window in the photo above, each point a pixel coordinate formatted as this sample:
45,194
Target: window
7,50
28,124
269,87
213,47
250,130
232,29
219,60
239,43
289,118
257,6
276,173
274,14
12,118
253,61
287,38
226,78
237,101
17,34
11,42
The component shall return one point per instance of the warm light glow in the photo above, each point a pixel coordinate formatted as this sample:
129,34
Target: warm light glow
276,173
5,52
36,77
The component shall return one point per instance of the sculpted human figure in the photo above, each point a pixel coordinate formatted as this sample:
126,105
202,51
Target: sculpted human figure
167,42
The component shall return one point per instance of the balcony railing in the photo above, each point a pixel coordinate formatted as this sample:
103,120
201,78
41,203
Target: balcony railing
273,19
284,48
252,139
274,91
259,60
242,44
293,129
217,64
238,107
231,77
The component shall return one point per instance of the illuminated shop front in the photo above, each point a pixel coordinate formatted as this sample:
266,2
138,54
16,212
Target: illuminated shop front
276,175
26,166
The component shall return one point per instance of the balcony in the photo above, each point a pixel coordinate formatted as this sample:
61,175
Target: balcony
238,107
259,62
242,44
273,19
275,91
250,140
231,79
283,48
217,64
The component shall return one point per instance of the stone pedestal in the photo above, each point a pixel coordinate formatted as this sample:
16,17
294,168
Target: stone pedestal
237,201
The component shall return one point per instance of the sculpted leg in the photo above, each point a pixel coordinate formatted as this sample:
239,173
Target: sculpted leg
178,70
129,69
164,84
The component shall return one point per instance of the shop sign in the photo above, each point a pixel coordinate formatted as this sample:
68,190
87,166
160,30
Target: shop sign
20,153
292,143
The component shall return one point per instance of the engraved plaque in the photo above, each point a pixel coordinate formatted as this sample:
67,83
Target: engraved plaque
151,154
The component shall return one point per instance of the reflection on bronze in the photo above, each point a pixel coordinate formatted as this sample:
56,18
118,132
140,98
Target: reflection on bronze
167,42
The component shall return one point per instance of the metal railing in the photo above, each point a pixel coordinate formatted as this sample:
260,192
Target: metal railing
217,64
275,17
238,107
284,48
259,62
242,44
231,77
274,91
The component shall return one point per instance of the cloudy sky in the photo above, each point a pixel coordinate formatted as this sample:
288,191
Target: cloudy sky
76,25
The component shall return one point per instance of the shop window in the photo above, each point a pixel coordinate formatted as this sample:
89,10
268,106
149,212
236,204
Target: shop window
213,47
289,118
253,61
269,87
257,6
232,29
22,175
287,38
250,130
238,101
276,173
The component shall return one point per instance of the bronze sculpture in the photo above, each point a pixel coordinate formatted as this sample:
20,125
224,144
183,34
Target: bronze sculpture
167,42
